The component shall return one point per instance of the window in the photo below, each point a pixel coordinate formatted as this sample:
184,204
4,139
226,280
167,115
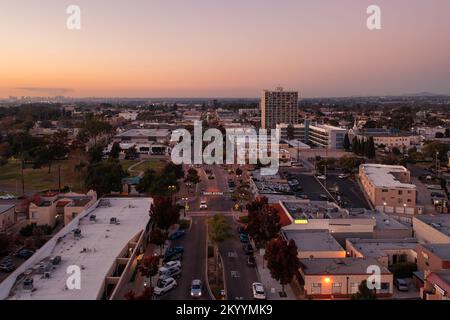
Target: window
400,192
385,287
353,287
33,215
384,190
316,288
336,288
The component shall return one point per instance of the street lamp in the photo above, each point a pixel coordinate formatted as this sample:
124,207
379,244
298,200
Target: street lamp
384,207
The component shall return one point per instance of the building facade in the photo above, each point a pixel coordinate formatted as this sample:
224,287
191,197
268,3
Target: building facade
278,107
388,188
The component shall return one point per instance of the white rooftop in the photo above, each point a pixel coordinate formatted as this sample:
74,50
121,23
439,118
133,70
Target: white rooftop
375,248
95,252
381,175
136,133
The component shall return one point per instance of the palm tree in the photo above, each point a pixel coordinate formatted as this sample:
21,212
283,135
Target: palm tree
219,231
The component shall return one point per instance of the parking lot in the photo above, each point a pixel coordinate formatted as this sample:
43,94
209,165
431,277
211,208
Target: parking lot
345,190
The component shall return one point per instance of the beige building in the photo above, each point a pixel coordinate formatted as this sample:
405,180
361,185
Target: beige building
7,216
385,137
340,278
278,107
432,229
49,208
389,188
437,285
385,251
314,244
433,256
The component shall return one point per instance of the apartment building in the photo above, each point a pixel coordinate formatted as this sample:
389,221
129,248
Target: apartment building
433,256
7,216
436,285
340,278
432,229
278,106
388,188
50,207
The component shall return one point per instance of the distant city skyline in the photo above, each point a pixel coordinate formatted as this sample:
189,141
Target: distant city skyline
224,49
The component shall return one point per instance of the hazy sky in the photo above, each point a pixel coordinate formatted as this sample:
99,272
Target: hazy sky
223,48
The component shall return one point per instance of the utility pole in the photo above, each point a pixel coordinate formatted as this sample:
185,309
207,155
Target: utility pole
59,177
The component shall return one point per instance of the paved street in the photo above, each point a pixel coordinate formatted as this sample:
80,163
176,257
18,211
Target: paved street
194,261
238,276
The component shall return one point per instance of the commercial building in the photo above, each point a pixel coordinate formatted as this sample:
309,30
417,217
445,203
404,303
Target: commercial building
50,207
340,278
341,223
388,188
385,251
7,216
433,256
313,244
319,135
143,136
278,106
103,242
385,137
432,229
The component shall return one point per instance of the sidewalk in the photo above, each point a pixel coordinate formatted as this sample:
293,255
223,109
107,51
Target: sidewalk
271,286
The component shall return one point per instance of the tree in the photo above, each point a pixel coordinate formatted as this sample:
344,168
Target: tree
172,168
192,176
346,142
131,153
439,135
364,293
447,133
219,231
396,151
104,177
238,171
164,213
115,151
149,267
146,294
158,237
430,150
370,148
263,222
158,184
355,145
282,260
95,154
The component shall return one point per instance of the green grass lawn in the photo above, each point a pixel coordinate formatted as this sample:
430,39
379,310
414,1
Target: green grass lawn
127,163
154,164
39,179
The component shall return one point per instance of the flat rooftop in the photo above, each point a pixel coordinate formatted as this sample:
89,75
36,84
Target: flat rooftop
439,222
307,209
94,252
6,207
374,248
140,133
343,266
313,240
442,250
382,176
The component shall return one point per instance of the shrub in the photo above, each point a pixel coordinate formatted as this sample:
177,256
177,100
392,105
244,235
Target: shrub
403,269
184,224
243,219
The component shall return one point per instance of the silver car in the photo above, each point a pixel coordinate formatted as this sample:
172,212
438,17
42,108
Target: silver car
196,288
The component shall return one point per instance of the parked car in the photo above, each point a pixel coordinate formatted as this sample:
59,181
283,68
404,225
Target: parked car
251,261
322,177
173,271
258,291
175,249
243,238
248,249
401,285
24,253
177,234
324,196
7,267
170,264
164,285
203,205
173,257
7,197
196,288
241,229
